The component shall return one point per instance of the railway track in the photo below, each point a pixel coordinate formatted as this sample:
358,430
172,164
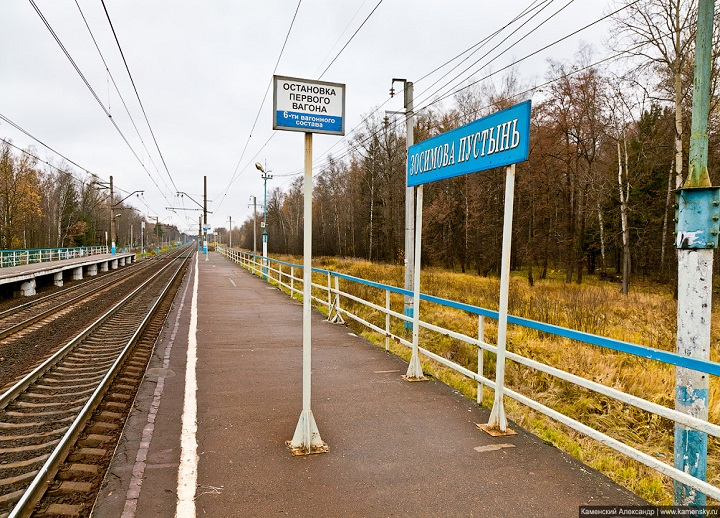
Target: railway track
84,392
22,316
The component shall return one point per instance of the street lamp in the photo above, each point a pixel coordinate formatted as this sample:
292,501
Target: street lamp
265,176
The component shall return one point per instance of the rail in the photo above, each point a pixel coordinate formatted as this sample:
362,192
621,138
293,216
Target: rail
284,274
10,258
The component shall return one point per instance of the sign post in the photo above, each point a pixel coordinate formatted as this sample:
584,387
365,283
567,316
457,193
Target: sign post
500,139
311,107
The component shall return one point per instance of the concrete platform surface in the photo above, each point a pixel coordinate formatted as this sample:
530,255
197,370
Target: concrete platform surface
395,448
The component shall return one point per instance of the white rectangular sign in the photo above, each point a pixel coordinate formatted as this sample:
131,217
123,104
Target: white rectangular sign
308,106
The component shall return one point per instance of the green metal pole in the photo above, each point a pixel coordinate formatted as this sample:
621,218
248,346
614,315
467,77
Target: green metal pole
696,238
698,174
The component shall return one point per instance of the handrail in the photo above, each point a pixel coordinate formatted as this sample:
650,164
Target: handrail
9,258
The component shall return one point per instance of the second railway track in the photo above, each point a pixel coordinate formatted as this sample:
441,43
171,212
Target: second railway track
43,415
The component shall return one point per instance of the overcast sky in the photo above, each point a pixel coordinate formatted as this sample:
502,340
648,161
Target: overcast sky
202,69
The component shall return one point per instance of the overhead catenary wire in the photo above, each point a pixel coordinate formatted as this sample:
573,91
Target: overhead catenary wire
257,117
232,180
489,75
477,46
94,94
350,39
137,94
117,90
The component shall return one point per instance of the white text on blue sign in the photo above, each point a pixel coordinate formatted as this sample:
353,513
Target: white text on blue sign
494,141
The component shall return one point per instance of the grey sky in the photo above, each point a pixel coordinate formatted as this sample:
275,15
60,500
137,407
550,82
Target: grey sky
202,69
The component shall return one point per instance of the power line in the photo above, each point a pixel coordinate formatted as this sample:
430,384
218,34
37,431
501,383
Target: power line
257,117
117,89
428,105
339,37
479,46
17,127
92,91
351,38
122,54
534,53
496,47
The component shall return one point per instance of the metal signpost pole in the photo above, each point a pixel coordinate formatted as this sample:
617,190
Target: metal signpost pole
497,415
307,437
500,139
414,372
307,106
697,234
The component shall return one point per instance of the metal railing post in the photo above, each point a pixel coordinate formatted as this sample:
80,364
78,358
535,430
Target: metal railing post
387,320
329,295
292,282
481,357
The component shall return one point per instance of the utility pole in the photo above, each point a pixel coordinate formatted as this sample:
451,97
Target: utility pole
230,237
205,248
253,199
199,233
697,235
409,202
157,233
265,176
111,202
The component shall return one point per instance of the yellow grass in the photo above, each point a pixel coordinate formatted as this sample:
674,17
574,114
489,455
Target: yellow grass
647,316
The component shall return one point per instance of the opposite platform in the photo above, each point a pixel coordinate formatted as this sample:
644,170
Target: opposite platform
396,448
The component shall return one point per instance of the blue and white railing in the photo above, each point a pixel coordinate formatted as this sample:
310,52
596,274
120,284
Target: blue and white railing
284,274
10,258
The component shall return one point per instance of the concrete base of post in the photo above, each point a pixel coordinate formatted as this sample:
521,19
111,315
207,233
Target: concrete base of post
77,274
497,421
92,270
104,266
415,372
122,261
58,279
27,288
114,264
306,440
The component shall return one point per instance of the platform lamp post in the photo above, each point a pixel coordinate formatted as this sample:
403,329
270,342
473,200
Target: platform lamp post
265,176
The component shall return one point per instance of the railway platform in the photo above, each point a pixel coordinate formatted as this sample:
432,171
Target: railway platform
25,277
395,448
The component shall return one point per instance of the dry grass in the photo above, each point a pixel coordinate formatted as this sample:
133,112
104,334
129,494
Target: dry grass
646,317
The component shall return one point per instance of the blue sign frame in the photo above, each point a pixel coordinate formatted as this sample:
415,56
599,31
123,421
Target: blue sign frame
497,140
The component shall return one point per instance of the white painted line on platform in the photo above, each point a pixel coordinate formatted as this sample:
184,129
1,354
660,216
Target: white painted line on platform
232,282
187,473
138,472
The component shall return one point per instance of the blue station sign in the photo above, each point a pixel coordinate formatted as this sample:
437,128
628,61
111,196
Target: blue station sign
309,106
497,140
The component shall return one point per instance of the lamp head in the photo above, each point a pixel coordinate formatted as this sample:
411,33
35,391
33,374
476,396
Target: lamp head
259,167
